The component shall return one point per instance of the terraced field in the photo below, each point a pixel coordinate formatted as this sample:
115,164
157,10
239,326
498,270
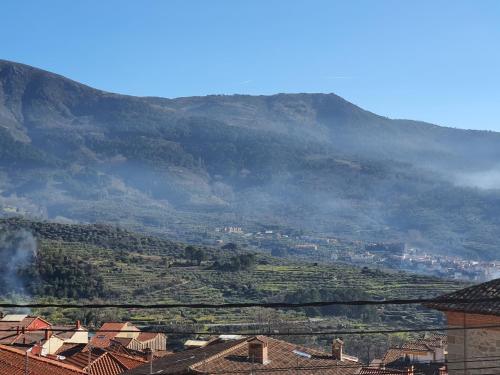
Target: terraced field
145,278
137,268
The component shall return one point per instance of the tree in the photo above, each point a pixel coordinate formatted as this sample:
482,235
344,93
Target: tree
189,252
199,256
230,246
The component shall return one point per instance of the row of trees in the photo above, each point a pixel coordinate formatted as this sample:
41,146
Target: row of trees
240,262
365,313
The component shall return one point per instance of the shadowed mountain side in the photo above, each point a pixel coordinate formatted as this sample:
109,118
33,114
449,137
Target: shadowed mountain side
306,161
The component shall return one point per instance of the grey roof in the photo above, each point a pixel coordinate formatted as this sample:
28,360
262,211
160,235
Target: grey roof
488,290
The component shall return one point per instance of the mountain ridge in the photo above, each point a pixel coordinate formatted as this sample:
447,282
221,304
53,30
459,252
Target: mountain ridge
306,161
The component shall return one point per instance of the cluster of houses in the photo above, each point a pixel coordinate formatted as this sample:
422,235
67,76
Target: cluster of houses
391,255
29,345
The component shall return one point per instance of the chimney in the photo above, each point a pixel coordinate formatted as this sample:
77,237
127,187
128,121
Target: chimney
149,354
149,358
338,349
257,351
46,334
78,324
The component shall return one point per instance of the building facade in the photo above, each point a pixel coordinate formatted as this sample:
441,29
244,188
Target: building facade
473,320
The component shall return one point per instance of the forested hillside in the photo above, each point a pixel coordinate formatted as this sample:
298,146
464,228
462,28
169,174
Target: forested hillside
313,162
89,262
80,263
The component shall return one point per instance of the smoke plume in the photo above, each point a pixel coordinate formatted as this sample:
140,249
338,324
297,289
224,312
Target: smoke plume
17,250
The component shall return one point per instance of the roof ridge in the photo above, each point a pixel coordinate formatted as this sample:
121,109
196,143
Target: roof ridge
469,288
128,356
221,353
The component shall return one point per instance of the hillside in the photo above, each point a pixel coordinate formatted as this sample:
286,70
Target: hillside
312,162
68,263
130,267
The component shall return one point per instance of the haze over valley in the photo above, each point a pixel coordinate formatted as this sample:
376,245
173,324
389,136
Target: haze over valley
310,163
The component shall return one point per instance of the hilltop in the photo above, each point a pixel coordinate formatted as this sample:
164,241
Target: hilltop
311,162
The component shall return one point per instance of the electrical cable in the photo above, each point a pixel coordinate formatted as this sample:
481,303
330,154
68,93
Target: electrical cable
430,301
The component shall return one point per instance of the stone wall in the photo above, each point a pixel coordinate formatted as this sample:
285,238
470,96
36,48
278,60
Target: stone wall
480,347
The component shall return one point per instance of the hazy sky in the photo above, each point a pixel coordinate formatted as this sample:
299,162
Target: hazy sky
434,60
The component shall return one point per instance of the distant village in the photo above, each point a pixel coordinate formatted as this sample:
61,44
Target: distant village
394,256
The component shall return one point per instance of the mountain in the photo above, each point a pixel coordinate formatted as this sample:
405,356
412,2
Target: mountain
311,162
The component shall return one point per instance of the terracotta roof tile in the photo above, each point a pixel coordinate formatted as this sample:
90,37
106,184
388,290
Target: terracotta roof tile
381,371
146,336
102,337
103,362
232,358
12,362
128,361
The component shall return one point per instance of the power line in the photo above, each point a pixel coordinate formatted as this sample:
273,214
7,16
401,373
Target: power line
270,332
459,301
337,366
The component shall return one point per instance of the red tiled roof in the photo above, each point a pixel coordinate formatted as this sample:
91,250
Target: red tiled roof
422,345
128,361
393,354
102,338
27,338
12,331
103,362
13,362
106,365
123,341
232,358
81,359
146,336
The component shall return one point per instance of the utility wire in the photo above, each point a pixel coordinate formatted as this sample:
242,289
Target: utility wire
268,332
310,368
430,301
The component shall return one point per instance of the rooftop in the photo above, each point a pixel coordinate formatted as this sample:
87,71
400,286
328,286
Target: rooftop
102,362
490,289
231,357
12,361
107,332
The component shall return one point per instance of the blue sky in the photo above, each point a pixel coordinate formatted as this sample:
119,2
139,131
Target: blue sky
431,60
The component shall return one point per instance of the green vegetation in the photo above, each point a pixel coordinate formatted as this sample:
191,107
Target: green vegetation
363,313
309,162
88,262
241,262
55,273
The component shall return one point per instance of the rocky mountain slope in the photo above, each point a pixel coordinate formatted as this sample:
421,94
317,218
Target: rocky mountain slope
313,162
